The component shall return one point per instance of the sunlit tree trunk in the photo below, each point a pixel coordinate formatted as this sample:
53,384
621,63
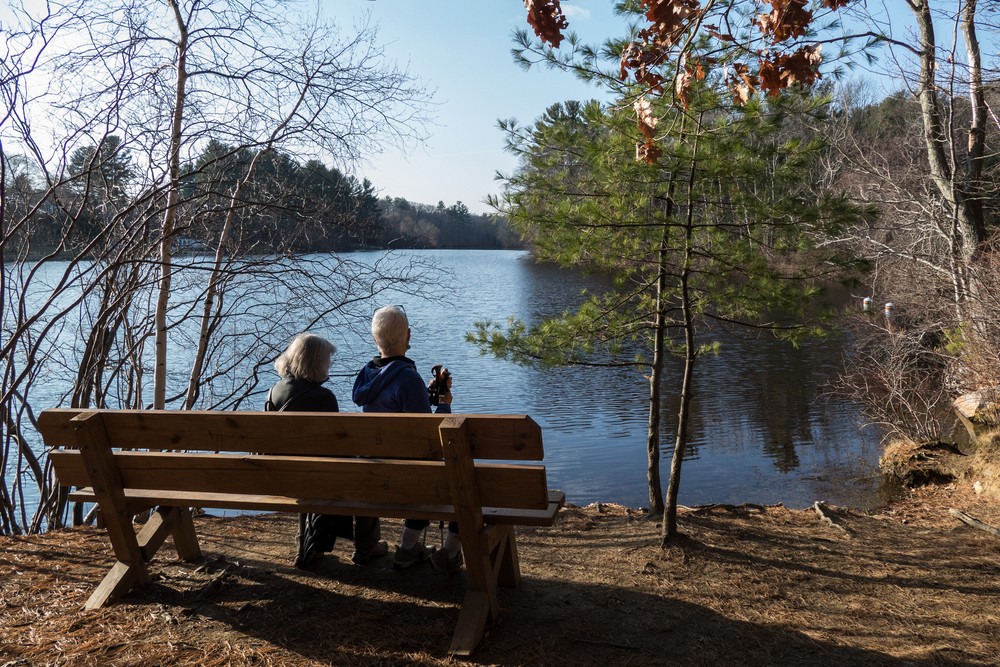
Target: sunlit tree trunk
170,214
669,525
957,181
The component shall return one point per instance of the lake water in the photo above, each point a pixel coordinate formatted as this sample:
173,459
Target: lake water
761,431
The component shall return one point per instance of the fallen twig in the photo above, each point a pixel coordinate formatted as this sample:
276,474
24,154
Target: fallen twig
975,523
602,643
650,543
819,506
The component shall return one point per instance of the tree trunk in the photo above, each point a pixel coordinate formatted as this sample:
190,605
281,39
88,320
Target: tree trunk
655,384
170,215
659,354
959,188
683,415
669,530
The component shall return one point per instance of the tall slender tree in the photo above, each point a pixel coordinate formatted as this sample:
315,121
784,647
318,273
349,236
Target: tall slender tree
707,219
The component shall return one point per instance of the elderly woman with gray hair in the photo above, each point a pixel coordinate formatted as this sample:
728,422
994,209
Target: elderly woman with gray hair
304,366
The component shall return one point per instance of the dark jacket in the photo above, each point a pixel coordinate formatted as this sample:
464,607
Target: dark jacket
305,396
392,385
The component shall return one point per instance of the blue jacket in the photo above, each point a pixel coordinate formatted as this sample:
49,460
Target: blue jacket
392,385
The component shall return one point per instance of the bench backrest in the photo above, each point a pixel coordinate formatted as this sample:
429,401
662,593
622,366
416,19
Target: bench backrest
302,455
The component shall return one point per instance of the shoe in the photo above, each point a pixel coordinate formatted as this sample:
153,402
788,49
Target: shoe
406,558
441,561
361,557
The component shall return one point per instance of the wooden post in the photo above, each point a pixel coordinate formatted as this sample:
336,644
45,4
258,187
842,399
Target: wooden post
480,605
105,479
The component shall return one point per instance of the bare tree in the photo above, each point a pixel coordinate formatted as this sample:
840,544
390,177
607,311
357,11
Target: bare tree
949,81
922,156
95,299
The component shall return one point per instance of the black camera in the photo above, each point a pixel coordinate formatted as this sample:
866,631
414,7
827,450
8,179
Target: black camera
438,387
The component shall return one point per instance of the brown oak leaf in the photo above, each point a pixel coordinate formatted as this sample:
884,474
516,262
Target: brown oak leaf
644,114
778,72
668,20
643,63
648,152
787,19
802,67
546,18
744,85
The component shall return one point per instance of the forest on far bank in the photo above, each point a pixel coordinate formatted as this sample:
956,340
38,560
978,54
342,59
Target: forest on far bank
287,206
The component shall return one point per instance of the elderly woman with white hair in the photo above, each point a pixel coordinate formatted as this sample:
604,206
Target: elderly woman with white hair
304,366
390,383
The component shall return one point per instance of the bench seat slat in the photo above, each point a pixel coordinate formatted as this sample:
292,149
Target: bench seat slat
500,437
381,481
143,499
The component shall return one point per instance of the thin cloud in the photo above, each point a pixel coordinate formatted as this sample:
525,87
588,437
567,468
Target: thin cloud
575,11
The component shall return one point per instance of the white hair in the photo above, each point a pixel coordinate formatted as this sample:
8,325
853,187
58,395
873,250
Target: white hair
390,329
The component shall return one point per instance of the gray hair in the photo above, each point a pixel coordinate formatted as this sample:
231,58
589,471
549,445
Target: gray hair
307,357
390,329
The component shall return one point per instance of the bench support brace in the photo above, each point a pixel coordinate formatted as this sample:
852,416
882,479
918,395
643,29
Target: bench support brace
132,551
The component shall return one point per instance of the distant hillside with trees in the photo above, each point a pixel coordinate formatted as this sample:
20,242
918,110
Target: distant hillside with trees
411,225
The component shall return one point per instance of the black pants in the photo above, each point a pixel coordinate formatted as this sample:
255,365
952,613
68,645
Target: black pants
420,524
326,528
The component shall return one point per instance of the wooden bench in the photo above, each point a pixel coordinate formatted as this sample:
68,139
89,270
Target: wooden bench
415,466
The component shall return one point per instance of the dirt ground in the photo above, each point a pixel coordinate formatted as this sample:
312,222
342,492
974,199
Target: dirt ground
909,585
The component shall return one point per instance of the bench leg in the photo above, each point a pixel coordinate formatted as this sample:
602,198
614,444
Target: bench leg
502,548
122,578
185,539
480,605
174,521
105,478
493,560
471,622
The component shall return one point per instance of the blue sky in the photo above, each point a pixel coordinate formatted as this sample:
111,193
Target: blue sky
461,50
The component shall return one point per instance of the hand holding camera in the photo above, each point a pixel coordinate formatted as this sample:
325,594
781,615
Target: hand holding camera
439,389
